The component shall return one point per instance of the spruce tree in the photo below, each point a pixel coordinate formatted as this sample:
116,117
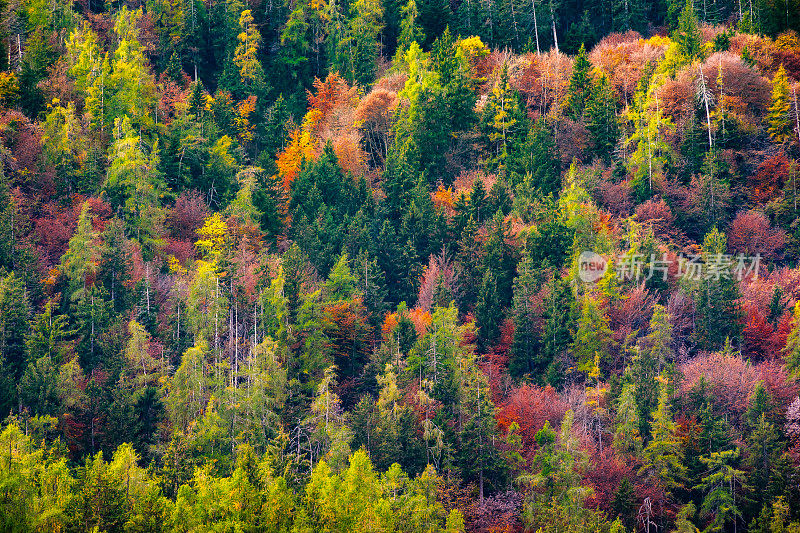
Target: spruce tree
663,457
601,119
593,335
717,299
687,35
581,86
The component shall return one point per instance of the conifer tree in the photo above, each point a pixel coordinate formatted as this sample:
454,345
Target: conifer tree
246,54
721,486
626,436
581,86
410,30
717,299
601,119
559,330
791,351
527,343
662,457
593,335
779,114
687,36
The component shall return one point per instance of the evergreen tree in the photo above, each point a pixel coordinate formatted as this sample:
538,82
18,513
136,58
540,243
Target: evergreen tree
410,31
687,36
593,335
717,299
626,436
601,119
662,457
559,330
791,352
721,486
581,86
488,311
527,342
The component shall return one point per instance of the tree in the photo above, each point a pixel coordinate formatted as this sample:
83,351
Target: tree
779,117
100,501
356,44
559,331
479,458
593,335
791,351
527,343
762,462
15,310
687,36
64,146
410,30
627,437
555,498
717,299
329,436
581,86
79,263
601,119
187,393
133,183
246,54
662,457
143,367
720,487
504,122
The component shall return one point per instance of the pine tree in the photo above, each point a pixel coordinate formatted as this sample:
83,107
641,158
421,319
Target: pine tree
488,311
527,343
504,122
133,183
626,436
581,86
559,330
359,47
721,486
662,457
779,114
765,449
14,314
687,36
410,30
64,146
601,119
79,263
791,351
717,300
593,335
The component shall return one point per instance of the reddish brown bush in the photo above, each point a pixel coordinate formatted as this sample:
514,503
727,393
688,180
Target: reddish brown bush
530,407
751,234
768,179
187,215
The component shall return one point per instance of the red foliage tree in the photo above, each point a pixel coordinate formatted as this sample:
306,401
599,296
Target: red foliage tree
530,406
187,215
768,179
750,234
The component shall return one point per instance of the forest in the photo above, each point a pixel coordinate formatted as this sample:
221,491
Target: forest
399,265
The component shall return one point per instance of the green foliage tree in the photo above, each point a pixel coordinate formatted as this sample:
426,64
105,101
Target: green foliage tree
662,457
601,119
581,86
